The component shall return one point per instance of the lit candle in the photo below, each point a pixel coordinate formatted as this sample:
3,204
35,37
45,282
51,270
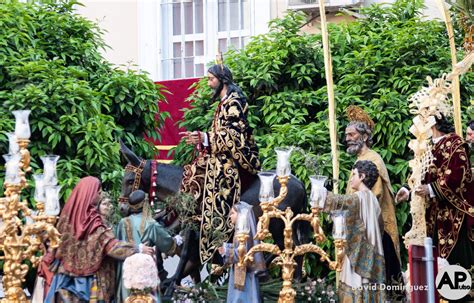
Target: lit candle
22,126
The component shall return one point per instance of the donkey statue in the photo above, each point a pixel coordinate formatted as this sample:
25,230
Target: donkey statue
163,180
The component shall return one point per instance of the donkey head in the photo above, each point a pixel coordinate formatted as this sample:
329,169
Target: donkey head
137,176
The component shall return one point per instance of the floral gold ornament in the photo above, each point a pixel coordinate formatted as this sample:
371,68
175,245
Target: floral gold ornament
21,241
286,257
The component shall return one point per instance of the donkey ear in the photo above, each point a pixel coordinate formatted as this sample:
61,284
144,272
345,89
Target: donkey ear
129,154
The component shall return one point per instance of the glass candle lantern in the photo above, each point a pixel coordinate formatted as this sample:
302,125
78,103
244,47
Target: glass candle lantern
22,125
13,147
266,193
339,231
283,161
51,206
12,165
49,169
242,225
317,197
39,188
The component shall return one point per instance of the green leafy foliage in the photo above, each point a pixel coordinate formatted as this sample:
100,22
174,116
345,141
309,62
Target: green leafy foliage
50,62
378,62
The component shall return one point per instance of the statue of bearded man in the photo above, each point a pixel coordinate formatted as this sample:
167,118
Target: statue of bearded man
359,140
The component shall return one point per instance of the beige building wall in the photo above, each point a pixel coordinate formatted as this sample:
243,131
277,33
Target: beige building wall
119,20
279,8
131,28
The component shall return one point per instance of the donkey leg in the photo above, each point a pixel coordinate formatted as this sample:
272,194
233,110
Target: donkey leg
184,257
193,269
301,233
162,273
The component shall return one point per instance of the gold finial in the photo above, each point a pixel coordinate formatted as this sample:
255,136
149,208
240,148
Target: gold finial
356,114
220,60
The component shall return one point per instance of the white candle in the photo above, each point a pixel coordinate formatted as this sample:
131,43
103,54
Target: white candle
339,219
283,169
318,192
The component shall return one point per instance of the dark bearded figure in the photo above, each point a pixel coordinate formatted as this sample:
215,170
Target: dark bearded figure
356,143
226,165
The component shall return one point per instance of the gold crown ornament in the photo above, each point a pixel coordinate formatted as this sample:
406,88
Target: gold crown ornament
356,114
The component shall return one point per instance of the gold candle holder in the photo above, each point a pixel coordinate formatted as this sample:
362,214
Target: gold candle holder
286,258
18,241
241,270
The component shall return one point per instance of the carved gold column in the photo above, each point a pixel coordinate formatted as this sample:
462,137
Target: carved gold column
19,241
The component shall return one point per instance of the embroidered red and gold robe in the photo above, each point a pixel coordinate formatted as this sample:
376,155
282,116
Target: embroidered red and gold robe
214,178
451,214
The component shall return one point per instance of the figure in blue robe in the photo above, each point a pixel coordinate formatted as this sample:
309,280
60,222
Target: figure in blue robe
239,291
139,227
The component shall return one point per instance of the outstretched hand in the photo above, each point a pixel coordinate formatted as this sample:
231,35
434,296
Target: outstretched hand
402,195
422,190
192,137
148,250
221,250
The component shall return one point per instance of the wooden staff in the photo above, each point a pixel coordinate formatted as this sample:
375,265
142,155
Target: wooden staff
330,86
455,89
331,108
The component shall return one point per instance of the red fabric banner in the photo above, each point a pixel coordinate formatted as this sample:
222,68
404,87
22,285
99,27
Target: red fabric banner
179,91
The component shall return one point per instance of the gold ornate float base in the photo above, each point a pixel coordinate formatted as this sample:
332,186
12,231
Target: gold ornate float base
139,298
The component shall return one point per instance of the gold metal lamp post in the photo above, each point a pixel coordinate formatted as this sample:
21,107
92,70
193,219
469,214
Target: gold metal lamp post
23,232
269,205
